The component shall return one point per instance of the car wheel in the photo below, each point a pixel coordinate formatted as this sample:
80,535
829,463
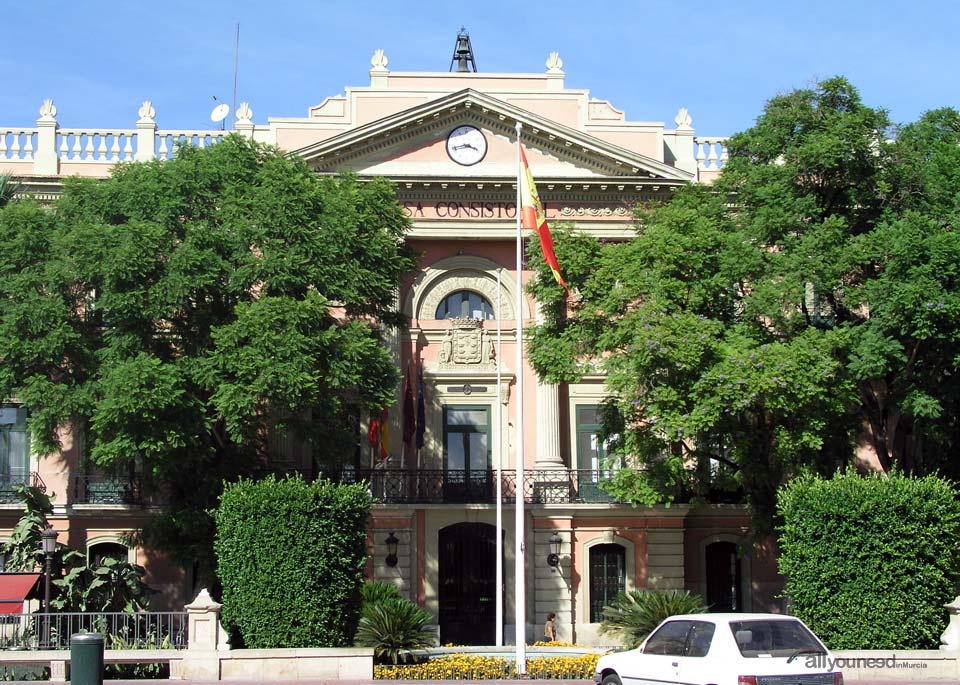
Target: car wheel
611,679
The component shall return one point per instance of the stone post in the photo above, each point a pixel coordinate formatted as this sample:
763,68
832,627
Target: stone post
205,636
244,124
146,133
45,160
950,639
680,142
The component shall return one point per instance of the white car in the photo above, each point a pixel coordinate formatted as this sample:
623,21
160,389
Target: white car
724,649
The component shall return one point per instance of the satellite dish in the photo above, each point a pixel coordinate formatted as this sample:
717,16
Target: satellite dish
220,112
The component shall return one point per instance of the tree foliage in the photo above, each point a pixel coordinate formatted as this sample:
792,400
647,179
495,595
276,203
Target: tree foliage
870,562
291,560
184,311
804,304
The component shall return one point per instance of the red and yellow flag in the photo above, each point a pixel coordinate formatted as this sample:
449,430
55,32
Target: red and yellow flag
533,217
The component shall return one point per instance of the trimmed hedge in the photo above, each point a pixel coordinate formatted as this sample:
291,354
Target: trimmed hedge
291,558
870,561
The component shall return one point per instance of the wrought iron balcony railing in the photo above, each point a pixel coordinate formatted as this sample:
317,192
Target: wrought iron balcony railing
438,486
12,480
106,490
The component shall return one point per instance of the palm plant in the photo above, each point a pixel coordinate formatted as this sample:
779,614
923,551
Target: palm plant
394,628
633,615
8,188
376,591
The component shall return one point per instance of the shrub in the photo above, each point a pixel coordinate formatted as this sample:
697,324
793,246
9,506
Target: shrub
394,627
633,615
870,561
291,557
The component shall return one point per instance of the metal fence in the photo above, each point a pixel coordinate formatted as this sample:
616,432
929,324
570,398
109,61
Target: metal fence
146,630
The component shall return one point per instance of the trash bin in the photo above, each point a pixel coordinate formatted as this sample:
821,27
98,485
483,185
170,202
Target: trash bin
86,659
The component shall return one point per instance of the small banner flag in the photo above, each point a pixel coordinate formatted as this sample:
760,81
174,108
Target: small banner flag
409,411
421,409
384,437
533,218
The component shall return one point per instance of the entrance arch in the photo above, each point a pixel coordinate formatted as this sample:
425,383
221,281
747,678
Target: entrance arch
467,584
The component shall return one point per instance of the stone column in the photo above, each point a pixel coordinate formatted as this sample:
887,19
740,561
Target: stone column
548,412
548,427
45,159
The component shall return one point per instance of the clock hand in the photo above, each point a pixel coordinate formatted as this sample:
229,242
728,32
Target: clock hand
463,145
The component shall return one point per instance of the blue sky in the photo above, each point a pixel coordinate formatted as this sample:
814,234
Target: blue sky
721,60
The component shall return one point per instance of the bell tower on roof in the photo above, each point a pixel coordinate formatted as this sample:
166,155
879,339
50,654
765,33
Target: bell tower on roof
463,53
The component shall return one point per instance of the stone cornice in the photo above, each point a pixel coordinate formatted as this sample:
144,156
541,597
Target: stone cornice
495,115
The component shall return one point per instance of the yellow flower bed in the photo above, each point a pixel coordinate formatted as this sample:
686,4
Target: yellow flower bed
474,667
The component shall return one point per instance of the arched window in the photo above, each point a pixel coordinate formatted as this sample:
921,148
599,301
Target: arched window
106,550
608,574
464,304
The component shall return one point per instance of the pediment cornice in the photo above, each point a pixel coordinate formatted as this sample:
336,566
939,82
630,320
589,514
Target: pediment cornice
426,120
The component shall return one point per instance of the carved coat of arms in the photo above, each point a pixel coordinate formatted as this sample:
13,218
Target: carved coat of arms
467,344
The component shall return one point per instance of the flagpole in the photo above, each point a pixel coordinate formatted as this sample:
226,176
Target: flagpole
499,580
520,600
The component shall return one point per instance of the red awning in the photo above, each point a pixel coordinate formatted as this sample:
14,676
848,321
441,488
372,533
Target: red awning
14,588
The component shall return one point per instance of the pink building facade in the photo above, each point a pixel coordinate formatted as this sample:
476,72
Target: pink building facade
448,142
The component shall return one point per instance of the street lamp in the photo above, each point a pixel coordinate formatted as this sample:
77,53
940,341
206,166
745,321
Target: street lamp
392,543
553,559
48,541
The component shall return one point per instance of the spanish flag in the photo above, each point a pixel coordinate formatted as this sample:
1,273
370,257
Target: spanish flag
534,218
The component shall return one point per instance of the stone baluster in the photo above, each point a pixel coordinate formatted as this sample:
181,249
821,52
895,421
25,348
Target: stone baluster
45,160
146,132
950,639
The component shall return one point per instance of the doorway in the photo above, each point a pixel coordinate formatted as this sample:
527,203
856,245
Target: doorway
467,584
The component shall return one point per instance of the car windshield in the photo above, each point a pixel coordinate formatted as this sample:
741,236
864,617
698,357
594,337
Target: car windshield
781,637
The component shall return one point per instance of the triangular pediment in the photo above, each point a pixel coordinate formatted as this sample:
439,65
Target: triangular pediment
411,145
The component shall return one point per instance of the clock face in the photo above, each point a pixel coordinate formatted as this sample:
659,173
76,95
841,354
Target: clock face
466,145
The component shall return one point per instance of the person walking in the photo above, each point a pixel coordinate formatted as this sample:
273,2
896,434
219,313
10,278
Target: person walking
550,628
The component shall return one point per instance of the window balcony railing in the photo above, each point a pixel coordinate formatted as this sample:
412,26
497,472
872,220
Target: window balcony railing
12,480
438,486
106,490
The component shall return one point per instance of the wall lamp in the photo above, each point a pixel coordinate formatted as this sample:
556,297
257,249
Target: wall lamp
392,543
553,559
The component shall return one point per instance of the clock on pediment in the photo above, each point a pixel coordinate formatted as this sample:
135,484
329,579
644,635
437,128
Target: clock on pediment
466,145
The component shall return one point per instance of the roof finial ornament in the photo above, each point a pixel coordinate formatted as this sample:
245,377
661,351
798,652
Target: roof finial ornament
463,53
554,63
48,110
683,118
379,61
244,113
146,112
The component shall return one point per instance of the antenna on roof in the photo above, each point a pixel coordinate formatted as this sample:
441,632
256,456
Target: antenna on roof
463,53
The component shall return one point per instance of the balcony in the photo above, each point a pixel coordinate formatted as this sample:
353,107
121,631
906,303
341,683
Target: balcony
106,490
436,486
11,481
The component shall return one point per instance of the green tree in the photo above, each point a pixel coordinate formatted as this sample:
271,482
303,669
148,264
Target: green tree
752,330
182,312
